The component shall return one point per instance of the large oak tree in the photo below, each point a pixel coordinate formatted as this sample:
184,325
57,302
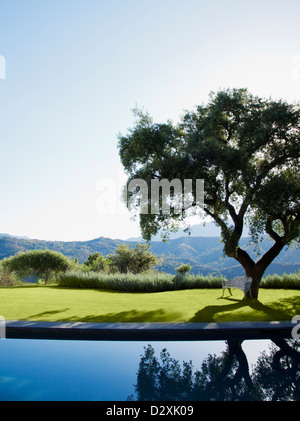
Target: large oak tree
247,151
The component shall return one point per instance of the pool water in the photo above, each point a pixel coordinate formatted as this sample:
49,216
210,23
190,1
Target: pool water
66,370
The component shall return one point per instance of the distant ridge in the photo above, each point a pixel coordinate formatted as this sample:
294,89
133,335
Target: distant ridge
204,254
198,230
14,236
210,229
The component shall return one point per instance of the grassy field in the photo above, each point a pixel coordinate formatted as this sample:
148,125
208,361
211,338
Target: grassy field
52,303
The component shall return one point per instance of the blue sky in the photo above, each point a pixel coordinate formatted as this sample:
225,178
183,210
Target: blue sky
76,68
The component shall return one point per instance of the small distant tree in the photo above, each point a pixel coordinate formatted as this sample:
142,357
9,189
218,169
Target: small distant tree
143,258
7,279
37,263
97,263
121,259
137,260
183,269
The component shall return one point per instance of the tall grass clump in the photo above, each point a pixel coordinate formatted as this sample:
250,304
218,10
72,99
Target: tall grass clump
146,282
285,281
159,281
116,281
196,281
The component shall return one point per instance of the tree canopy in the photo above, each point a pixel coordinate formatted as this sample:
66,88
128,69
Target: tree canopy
247,151
37,263
135,260
227,377
97,263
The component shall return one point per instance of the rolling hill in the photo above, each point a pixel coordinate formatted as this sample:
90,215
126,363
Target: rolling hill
204,254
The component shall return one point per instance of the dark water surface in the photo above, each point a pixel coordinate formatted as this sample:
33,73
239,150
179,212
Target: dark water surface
55,370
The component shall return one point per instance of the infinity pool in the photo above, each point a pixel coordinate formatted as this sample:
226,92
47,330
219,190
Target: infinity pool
39,370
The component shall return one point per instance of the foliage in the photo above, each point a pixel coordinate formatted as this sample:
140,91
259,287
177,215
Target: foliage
277,375
37,263
10,246
97,263
184,268
156,282
135,260
246,149
205,255
286,281
220,378
8,279
145,282
165,380
227,377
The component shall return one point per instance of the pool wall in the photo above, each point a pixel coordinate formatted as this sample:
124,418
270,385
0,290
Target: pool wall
147,331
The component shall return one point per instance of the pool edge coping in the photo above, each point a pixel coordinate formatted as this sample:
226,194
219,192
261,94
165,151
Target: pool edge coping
158,331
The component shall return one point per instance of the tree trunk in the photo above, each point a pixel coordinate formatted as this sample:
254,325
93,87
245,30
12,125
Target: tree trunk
256,274
256,270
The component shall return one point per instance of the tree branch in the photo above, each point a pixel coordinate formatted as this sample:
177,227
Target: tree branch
244,259
271,232
218,220
270,255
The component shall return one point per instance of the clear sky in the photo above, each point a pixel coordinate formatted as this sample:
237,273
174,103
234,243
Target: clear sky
74,69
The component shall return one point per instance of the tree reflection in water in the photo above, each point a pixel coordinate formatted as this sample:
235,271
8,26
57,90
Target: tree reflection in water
275,376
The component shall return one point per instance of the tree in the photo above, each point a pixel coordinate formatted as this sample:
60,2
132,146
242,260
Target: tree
143,258
183,269
220,378
277,376
37,263
227,377
7,279
247,151
137,260
97,263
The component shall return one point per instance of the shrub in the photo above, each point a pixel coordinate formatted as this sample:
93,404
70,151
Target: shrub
130,282
183,269
126,259
37,263
97,263
159,281
285,281
8,279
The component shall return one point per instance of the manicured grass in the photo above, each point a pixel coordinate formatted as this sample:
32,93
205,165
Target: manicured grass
52,303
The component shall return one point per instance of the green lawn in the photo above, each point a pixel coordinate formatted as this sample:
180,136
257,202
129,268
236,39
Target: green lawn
51,303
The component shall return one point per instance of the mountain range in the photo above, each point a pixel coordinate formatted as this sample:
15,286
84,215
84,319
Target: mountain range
204,254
